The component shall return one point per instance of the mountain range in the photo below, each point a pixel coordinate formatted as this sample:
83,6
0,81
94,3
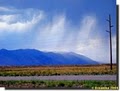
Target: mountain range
32,57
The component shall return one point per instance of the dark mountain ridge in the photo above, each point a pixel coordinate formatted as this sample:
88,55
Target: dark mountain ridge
32,57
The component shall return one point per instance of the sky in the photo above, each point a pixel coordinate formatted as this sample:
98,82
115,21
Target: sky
59,25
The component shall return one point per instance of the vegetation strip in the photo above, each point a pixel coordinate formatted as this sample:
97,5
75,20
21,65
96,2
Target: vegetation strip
57,84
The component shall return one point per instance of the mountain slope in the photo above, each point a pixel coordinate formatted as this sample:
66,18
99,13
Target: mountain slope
29,57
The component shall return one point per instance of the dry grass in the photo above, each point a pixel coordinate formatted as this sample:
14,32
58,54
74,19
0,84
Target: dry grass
57,70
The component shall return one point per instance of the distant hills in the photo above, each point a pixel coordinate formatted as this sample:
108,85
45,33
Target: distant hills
32,57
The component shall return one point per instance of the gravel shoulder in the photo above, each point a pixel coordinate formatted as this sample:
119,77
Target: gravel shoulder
62,77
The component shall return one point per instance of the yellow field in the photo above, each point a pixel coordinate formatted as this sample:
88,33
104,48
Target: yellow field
57,70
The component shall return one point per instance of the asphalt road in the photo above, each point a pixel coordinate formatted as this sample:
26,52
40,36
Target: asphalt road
63,77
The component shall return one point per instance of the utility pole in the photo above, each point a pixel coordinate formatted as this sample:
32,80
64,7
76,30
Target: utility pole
110,35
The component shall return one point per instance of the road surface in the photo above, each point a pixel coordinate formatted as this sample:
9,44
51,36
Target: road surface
63,77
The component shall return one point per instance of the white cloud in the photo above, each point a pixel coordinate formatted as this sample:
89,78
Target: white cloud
7,18
4,9
19,22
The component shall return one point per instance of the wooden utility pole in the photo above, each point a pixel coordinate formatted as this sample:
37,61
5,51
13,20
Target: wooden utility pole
110,34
